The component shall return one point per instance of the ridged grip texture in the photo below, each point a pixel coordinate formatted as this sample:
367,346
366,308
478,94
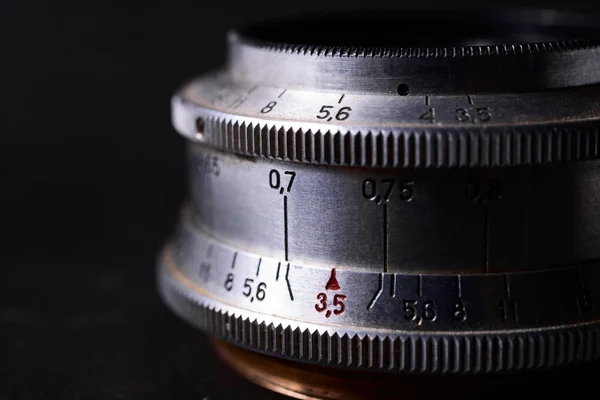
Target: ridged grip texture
445,354
407,149
422,52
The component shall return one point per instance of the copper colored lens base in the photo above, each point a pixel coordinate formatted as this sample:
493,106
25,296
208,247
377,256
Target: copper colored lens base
306,381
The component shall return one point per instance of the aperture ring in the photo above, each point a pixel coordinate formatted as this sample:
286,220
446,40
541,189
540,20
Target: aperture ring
410,148
420,353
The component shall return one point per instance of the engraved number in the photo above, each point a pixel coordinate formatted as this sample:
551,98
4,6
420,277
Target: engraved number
342,114
247,286
275,180
324,112
321,306
337,301
412,312
229,282
462,115
268,108
460,311
483,114
406,191
429,311
428,115
382,192
260,289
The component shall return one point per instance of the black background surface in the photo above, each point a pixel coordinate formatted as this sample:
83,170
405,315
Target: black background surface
91,178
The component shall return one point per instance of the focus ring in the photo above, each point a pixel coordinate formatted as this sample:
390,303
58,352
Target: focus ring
402,353
446,148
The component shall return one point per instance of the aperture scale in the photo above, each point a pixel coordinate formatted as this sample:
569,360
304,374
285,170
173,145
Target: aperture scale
388,208
392,130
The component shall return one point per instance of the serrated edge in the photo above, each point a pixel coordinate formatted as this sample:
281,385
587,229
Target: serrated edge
417,52
443,354
443,148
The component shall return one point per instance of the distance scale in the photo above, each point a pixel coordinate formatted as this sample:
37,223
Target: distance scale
249,276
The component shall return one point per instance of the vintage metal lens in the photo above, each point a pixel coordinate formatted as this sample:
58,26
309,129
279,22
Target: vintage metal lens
408,192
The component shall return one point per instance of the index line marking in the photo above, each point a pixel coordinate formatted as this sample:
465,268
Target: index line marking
234,259
278,268
379,291
385,238
287,273
285,225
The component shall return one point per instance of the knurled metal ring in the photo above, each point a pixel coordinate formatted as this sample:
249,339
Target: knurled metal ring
432,148
424,353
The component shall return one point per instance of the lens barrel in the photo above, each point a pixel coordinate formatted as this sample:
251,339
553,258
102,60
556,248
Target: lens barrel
408,192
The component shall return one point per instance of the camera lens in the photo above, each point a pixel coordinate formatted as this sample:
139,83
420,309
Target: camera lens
401,192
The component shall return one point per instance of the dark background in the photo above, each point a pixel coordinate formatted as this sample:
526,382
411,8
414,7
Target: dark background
91,178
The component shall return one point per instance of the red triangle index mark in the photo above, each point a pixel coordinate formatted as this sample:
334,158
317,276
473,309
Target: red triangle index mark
332,283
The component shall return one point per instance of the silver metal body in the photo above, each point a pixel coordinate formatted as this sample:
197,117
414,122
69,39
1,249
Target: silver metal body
350,206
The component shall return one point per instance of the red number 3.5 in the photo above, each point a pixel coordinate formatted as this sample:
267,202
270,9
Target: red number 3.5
321,306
